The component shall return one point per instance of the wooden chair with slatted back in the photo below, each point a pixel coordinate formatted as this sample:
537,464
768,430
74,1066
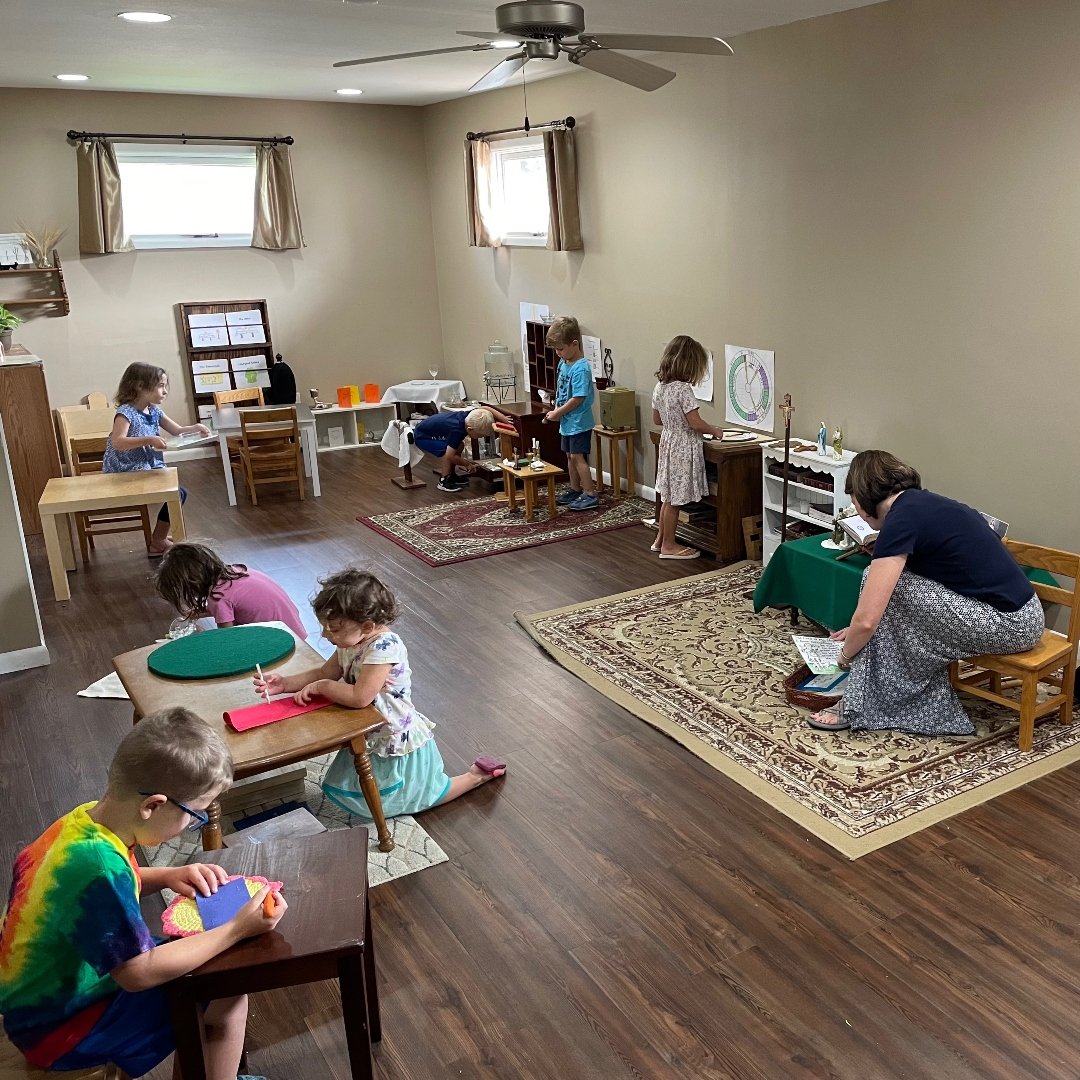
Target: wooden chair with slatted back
13,1066
248,395
1052,662
87,452
269,449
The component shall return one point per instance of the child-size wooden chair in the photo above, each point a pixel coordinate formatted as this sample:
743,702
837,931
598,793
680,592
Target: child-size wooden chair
269,449
248,395
87,452
1052,662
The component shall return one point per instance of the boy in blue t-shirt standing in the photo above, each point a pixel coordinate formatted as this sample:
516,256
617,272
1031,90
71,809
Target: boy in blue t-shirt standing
574,393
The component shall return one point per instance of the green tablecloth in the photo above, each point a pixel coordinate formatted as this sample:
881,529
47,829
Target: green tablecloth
804,575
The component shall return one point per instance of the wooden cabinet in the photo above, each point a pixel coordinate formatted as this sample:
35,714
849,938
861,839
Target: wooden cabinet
529,420
541,361
24,405
738,495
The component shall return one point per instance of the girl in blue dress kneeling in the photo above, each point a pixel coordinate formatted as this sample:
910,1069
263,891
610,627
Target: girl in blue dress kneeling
371,667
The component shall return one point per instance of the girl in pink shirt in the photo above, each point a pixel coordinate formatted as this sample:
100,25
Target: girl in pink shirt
195,580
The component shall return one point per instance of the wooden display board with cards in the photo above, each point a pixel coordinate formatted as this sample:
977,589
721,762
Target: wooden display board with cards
226,345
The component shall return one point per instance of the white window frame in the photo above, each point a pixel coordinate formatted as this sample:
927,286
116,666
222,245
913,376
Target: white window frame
241,155
530,146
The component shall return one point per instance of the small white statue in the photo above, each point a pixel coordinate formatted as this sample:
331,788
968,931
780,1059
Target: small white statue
838,444
822,435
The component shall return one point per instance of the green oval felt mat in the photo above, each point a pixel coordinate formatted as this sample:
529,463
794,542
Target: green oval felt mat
215,654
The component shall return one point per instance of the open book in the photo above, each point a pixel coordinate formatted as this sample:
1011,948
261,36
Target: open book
858,530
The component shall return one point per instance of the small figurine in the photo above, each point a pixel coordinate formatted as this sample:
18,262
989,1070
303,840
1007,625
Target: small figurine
838,444
315,402
822,435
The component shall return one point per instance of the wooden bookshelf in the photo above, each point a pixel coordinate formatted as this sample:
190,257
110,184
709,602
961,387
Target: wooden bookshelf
541,360
223,353
51,277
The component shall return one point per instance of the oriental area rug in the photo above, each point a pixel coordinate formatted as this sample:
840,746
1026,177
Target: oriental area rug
456,529
414,849
692,659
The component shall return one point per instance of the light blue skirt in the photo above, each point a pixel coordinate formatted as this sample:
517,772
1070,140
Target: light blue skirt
407,784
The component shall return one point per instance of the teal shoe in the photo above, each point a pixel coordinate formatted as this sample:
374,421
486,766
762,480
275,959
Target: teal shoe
567,497
586,502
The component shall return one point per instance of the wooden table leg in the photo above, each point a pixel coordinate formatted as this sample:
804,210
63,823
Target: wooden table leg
630,466
616,462
176,519
187,1026
211,833
54,550
362,764
352,983
530,498
370,983
599,463
552,511
510,489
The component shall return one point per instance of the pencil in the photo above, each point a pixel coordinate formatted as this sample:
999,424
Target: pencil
266,693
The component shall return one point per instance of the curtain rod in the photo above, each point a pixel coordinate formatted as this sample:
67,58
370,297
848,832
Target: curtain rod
569,122
86,136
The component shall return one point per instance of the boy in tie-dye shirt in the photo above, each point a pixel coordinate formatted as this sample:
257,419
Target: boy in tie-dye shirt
82,982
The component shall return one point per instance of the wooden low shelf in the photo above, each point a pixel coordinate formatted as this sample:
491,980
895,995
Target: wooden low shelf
58,295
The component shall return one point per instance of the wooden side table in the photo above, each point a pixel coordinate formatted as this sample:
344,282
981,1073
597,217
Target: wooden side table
531,479
325,934
614,439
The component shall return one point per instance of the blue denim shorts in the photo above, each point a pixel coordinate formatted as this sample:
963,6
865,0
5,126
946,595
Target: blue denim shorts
135,1032
577,444
434,447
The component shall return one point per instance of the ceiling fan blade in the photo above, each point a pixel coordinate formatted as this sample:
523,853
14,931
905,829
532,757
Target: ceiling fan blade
406,55
706,46
508,38
501,73
624,68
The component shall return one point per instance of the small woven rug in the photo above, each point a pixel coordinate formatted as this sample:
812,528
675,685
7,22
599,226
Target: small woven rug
414,848
692,659
457,529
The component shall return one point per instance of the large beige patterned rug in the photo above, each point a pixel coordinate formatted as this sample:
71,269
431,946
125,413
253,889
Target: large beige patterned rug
692,659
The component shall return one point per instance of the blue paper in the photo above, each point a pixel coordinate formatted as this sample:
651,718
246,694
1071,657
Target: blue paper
218,908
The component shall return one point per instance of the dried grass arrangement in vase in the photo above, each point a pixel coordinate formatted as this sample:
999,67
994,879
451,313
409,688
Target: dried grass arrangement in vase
42,242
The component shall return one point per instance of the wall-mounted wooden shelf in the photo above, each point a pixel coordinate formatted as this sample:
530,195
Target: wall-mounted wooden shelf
58,292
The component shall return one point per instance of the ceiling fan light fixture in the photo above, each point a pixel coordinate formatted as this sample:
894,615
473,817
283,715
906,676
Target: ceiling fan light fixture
505,43
144,16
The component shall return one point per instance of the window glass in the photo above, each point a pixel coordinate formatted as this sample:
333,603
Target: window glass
177,195
521,179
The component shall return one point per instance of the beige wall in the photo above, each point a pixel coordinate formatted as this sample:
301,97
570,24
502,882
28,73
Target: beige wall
887,197
357,305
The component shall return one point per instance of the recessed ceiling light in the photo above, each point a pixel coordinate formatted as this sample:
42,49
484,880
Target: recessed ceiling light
350,93
144,16
72,78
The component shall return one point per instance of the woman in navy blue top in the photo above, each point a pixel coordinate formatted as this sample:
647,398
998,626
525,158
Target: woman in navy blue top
941,586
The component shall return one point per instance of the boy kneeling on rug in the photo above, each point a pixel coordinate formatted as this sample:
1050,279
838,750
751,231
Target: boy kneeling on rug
82,981
443,436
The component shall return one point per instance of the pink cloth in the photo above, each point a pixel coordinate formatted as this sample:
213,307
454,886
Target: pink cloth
255,598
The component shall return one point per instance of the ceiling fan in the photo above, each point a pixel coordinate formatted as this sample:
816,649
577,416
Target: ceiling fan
545,29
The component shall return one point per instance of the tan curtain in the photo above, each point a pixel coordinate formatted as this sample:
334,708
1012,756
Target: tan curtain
564,224
101,214
277,215
480,211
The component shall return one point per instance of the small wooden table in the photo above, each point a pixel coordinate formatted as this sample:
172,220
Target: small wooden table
263,748
616,440
67,495
530,479
325,934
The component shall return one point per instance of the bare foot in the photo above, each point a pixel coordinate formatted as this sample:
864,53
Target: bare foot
828,720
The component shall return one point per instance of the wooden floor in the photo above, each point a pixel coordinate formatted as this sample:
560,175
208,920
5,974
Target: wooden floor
614,908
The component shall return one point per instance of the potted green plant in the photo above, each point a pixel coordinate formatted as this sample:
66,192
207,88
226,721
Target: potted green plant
8,321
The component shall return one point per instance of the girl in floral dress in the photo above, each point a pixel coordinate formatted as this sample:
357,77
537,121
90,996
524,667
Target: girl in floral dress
680,462
371,667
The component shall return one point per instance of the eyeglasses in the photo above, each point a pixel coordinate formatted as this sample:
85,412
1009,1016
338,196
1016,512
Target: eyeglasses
201,819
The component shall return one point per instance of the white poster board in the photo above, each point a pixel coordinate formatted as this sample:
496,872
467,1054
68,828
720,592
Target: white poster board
750,382
703,390
209,337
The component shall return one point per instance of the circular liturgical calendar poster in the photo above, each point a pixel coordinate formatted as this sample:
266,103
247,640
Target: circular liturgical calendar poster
749,387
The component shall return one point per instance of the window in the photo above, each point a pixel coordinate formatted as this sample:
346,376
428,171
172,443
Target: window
520,181
182,196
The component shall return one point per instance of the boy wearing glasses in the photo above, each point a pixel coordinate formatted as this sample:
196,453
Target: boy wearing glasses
82,981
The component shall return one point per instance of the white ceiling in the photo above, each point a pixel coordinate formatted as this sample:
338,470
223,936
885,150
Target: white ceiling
285,48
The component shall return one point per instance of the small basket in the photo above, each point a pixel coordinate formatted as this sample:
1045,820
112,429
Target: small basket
806,699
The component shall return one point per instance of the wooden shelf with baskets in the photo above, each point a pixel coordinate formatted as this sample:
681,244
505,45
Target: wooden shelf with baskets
218,360
52,276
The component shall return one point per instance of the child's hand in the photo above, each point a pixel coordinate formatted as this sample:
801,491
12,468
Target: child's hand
201,429
156,442
549,418
197,878
304,696
274,685
251,919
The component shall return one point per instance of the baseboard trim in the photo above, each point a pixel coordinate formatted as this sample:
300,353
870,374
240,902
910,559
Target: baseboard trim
22,659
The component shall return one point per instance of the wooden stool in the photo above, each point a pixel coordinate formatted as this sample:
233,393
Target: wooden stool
531,479
613,438
325,934
13,1066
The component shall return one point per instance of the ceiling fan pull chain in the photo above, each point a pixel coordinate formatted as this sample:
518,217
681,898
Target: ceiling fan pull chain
525,95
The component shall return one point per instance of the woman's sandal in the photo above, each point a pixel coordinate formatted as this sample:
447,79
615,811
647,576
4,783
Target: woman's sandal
819,725
685,553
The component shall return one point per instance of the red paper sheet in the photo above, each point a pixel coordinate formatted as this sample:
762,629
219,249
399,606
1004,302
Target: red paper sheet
282,708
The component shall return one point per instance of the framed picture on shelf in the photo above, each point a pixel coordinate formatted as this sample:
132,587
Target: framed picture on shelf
252,377
209,337
207,384
14,250
247,335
